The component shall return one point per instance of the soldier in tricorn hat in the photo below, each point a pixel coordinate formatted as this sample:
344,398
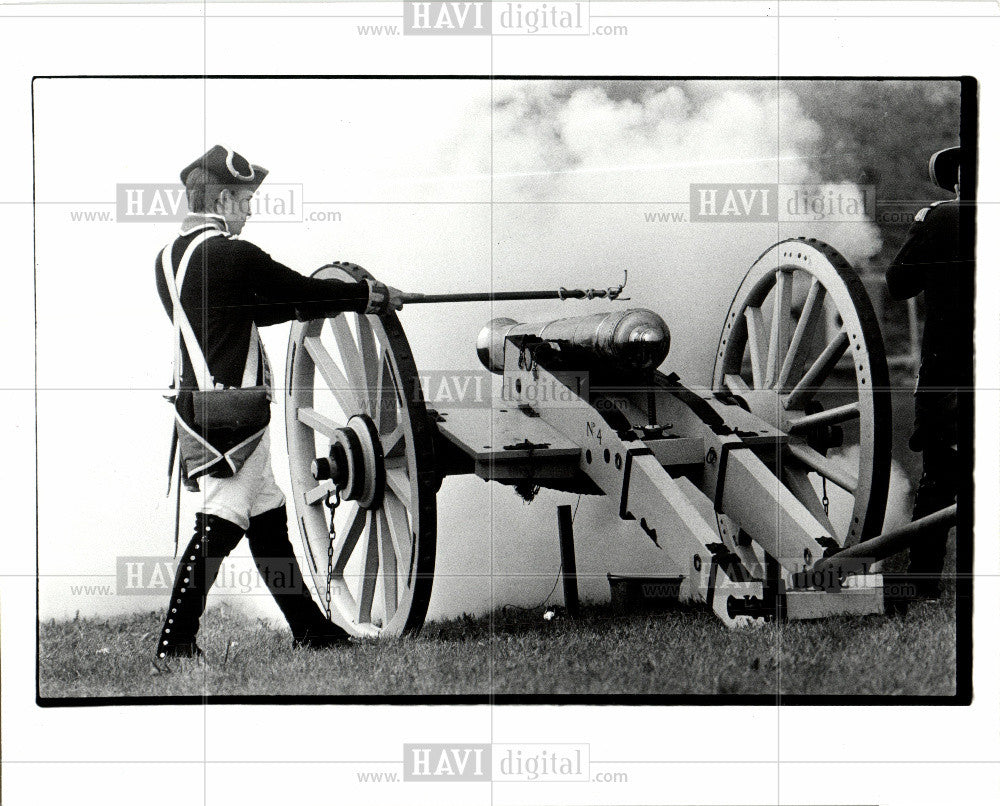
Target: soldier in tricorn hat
226,289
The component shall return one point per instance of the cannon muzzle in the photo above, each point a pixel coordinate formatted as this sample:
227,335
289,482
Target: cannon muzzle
635,339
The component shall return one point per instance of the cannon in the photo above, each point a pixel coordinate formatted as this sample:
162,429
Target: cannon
732,483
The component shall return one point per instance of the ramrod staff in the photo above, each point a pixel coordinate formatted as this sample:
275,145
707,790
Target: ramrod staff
507,296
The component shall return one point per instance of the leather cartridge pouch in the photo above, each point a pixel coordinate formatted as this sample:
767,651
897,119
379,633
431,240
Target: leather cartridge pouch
247,409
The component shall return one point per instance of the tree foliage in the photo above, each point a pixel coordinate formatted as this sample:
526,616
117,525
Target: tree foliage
881,134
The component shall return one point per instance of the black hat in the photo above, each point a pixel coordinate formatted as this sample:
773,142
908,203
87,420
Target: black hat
943,167
229,167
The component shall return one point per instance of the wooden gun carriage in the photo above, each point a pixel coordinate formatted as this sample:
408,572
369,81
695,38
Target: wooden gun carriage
732,483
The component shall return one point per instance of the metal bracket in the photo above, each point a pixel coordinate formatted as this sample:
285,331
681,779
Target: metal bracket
525,445
720,480
623,512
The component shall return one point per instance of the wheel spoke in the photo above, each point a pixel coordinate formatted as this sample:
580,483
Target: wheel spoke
755,343
342,598
318,493
387,563
736,385
780,319
812,309
826,467
839,414
392,443
818,372
399,527
386,415
348,349
369,360
399,483
335,380
317,422
342,553
370,574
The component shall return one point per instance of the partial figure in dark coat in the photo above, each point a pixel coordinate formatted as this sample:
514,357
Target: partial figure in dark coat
937,259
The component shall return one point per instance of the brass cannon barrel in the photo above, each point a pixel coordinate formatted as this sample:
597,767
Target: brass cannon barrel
634,339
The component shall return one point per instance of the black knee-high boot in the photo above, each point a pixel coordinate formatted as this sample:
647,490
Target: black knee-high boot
214,538
275,560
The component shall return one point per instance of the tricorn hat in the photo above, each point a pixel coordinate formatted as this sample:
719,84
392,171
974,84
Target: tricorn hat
229,167
943,167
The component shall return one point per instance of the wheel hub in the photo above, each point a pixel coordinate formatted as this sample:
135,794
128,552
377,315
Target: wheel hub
355,464
768,406
822,438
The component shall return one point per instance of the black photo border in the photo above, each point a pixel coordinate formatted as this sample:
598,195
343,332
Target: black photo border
968,136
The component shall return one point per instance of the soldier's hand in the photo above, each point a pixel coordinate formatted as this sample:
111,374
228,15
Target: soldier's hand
383,298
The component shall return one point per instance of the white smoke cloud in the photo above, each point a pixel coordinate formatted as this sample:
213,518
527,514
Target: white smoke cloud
576,173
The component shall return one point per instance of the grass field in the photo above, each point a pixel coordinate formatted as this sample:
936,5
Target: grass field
517,652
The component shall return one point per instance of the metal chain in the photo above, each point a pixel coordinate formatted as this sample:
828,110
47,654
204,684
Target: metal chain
826,499
332,501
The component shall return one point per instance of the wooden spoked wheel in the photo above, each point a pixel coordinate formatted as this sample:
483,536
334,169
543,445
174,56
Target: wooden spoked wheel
354,403
802,349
